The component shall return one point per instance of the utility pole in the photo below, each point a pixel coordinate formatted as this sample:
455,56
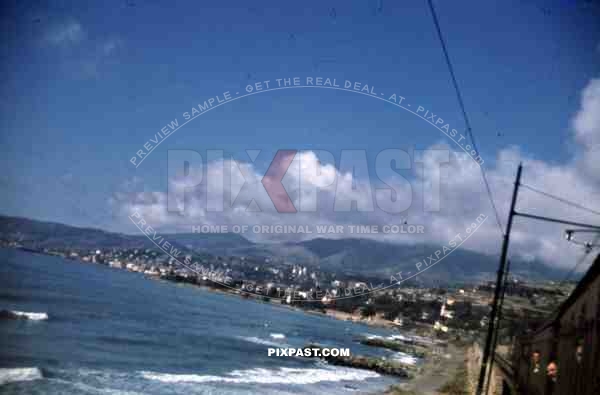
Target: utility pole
500,275
497,331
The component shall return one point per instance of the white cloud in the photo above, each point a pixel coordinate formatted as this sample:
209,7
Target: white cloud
463,196
587,128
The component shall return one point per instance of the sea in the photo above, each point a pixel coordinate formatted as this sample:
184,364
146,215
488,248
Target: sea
98,330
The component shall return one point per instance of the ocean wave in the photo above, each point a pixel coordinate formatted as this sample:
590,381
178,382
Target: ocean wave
413,338
400,337
91,381
277,335
404,358
258,340
12,375
371,336
31,316
83,388
268,376
390,337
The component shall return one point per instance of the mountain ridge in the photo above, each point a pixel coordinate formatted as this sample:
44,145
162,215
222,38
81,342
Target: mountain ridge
347,256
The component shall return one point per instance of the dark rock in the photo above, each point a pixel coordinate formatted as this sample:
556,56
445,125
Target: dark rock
379,365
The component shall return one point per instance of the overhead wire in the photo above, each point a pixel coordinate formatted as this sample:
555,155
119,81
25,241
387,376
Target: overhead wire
579,261
562,200
463,110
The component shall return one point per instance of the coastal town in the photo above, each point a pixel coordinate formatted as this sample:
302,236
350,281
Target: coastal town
435,331
460,311
441,327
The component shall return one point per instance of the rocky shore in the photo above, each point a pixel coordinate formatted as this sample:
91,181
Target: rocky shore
379,365
395,345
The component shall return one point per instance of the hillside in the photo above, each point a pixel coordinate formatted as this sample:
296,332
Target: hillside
345,257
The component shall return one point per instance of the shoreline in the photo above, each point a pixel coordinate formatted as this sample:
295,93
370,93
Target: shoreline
375,322
425,379
80,314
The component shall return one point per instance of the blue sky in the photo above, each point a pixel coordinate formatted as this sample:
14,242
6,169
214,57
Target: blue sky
86,84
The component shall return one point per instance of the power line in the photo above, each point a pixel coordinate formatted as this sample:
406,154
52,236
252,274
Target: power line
501,267
579,262
462,108
557,220
562,200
